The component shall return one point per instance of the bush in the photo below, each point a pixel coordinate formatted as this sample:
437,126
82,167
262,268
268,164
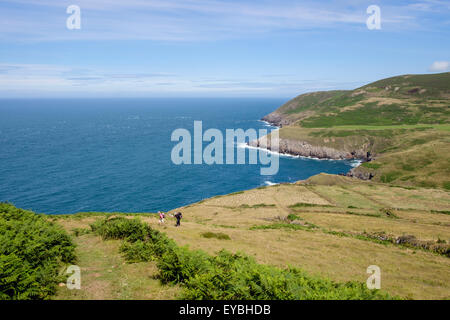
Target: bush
138,251
293,217
121,228
142,243
141,251
179,264
218,235
32,251
308,205
237,277
256,206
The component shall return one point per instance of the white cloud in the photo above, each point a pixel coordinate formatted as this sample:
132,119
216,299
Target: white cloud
22,80
189,20
440,66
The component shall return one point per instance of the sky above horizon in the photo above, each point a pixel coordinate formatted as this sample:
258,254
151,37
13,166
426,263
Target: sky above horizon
211,48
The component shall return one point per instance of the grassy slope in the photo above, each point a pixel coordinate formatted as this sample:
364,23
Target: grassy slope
332,248
403,121
105,274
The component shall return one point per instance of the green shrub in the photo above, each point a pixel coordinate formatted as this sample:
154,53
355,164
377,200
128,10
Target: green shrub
227,275
440,211
121,228
256,206
218,235
308,205
224,226
161,243
141,251
237,277
138,251
179,264
32,252
293,217
142,242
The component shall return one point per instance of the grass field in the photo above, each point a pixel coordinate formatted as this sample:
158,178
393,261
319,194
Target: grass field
329,226
441,127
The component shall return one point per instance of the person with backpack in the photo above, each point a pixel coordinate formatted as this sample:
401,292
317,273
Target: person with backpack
178,216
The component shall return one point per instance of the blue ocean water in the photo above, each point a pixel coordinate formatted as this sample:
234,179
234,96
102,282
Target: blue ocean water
72,155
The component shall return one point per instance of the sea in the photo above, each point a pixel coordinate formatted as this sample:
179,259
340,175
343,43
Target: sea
63,156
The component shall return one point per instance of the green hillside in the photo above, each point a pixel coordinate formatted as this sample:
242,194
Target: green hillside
404,122
32,252
409,99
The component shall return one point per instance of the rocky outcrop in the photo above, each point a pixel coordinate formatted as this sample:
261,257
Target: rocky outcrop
360,174
305,149
277,119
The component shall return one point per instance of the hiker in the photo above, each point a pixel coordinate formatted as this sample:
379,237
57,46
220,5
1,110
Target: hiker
162,216
178,216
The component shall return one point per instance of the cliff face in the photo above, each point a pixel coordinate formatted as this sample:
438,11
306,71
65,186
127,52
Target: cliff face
277,119
360,173
305,149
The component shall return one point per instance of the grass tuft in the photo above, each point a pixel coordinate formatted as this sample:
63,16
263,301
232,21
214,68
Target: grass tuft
216,235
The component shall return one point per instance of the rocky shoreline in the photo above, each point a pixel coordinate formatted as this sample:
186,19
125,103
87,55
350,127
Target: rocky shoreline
275,119
305,149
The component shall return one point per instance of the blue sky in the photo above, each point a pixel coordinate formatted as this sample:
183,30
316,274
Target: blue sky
206,48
